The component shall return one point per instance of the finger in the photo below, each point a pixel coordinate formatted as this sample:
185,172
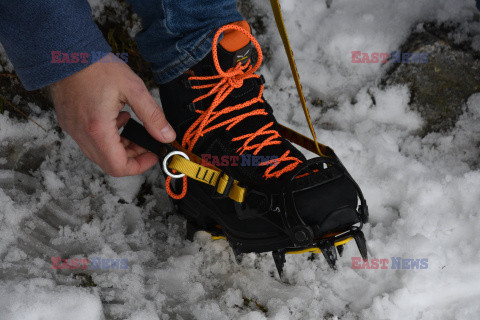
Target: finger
126,143
118,161
141,163
149,112
122,119
131,148
104,143
134,150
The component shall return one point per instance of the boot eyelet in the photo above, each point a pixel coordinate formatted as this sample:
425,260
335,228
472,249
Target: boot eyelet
187,83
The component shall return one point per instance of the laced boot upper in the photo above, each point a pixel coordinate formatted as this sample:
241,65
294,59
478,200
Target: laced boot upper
219,113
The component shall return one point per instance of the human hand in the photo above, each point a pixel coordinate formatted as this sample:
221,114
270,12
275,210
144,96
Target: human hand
88,105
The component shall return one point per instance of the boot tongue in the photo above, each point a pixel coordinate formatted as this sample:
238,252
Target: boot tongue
235,47
234,40
229,59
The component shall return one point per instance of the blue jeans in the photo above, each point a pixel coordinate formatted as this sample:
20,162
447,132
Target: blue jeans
177,34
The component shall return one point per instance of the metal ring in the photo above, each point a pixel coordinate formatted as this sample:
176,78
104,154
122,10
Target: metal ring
171,154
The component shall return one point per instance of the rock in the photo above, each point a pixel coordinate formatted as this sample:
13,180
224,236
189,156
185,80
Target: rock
440,87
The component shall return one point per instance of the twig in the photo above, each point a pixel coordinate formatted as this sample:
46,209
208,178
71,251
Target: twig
19,111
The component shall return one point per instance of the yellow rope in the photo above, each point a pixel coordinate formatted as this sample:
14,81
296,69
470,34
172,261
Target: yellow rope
277,12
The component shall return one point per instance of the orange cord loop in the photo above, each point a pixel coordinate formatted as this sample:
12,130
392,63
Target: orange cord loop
170,191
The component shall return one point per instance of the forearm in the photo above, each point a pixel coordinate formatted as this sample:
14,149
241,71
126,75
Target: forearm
30,30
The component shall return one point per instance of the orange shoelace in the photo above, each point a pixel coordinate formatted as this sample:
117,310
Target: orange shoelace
229,80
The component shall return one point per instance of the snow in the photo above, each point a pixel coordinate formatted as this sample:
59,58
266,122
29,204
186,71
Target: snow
323,39
43,299
423,195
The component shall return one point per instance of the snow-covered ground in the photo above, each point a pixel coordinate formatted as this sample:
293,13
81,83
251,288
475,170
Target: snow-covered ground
423,194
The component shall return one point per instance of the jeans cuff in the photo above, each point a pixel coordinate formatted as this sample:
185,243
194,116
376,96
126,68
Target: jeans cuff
187,60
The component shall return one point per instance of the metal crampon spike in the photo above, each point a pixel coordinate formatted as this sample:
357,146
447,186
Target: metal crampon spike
330,254
191,229
238,256
279,258
361,244
340,249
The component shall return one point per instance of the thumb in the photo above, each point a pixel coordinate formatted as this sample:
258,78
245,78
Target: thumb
149,112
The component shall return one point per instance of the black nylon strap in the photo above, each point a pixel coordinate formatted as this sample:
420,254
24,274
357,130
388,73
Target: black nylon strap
136,133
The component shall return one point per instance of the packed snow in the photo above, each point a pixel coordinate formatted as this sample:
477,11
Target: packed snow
423,193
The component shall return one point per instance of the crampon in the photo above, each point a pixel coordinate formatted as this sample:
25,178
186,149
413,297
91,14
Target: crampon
318,211
284,205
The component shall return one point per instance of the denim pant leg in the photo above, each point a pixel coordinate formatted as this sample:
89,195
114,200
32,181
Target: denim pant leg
177,34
